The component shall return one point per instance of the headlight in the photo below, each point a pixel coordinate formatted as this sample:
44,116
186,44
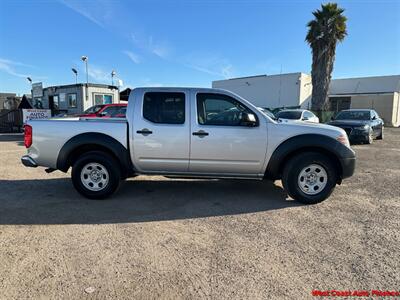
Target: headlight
344,140
365,127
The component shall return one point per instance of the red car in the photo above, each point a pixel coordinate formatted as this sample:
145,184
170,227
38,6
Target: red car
105,111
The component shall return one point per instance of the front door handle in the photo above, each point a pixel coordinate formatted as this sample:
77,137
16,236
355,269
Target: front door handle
200,133
144,131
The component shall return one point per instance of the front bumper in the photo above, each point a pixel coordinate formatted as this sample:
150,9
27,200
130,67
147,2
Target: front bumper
28,161
356,135
359,137
348,166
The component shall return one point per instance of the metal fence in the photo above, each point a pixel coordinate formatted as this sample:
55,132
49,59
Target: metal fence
11,120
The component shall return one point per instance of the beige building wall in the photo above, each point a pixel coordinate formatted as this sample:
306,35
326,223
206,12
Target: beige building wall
384,104
396,109
305,91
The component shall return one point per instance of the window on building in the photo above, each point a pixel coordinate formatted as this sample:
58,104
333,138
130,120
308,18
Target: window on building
56,101
218,109
38,103
107,99
102,99
98,99
339,103
167,108
72,100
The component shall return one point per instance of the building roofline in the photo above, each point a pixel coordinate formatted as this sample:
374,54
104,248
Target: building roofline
361,93
261,75
366,77
82,84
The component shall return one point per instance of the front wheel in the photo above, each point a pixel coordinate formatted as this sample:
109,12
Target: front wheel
380,137
96,175
370,138
309,177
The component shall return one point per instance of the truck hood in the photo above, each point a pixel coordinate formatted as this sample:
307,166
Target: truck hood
299,127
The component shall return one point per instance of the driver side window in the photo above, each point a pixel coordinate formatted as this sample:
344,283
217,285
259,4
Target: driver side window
218,109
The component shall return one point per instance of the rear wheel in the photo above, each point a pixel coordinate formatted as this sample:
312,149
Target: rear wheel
96,175
309,177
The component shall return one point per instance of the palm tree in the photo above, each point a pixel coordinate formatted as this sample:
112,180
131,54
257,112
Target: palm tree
324,32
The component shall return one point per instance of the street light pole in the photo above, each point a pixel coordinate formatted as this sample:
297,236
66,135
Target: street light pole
85,60
30,81
113,73
76,75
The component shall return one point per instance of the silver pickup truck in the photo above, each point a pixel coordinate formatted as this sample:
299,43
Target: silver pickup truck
191,132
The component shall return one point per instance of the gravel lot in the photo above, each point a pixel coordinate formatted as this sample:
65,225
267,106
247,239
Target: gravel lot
163,238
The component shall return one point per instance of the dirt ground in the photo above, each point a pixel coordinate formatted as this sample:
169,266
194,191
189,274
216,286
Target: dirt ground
190,239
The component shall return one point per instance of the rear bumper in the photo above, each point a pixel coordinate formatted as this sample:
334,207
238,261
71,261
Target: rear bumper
28,161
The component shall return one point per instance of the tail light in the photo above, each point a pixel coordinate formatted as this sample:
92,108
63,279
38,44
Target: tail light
28,136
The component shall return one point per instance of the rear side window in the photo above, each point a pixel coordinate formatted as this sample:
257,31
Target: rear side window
163,107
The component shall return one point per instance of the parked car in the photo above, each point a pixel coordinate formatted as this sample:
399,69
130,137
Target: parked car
298,115
188,132
105,111
361,125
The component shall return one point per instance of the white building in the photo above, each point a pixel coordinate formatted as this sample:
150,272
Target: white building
284,90
294,89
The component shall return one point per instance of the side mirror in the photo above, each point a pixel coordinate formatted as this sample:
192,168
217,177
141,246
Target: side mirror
305,119
102,114
248,120
374,118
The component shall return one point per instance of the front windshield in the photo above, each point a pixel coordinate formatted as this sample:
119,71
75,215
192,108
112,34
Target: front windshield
292,115
93,109
353,115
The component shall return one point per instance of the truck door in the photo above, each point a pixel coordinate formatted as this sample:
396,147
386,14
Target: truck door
220,143
161,132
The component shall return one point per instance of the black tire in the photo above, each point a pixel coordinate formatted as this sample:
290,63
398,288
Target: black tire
380,137
291,176
105,161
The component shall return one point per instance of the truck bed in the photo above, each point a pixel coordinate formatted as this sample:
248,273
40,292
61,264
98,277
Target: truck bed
52,134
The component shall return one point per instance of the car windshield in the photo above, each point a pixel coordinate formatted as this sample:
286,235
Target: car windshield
292,115
93,109
353,115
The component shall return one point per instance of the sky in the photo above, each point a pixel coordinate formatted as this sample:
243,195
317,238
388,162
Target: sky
183,43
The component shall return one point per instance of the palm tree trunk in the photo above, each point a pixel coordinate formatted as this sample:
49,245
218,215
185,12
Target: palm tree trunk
322,67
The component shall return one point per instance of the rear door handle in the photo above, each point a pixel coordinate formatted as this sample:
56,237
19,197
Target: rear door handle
200,133
144,131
